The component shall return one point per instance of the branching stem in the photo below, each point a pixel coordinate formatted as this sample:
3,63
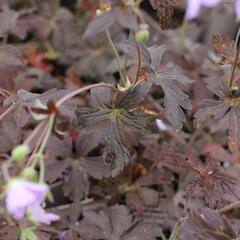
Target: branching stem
80,90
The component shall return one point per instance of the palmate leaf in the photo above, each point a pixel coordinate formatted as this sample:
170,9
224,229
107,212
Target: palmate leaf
114,112
142,194
77,186
24,101
223,112
168,79
116,223
164,11
116,147
174,98
205,223
75,165
224,47
119,13
209,178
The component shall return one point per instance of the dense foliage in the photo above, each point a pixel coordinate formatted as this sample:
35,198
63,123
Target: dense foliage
115,124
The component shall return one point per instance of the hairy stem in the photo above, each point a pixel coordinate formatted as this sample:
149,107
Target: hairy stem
115,52
5,113
229,207
38,158
237,40
47,135
176,228
34,133
80,90
139,58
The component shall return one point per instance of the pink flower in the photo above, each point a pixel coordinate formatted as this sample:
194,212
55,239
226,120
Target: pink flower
38,214
237,7
22,194
194,6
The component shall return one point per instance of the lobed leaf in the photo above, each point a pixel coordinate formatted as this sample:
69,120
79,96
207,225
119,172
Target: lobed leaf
224,47
164,11
114,112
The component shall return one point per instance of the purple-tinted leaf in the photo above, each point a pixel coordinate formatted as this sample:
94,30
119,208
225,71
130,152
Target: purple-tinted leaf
77,186
116,223
25,100
11,55
8,20
207,224
224,112
112,114
100,23
10,135
175,99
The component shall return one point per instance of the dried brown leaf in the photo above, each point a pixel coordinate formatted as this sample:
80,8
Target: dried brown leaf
164,11
224,47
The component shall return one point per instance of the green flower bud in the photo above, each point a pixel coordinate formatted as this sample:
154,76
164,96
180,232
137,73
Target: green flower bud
20,152
143,34
29,173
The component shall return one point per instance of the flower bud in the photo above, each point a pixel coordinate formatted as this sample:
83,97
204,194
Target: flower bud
20,152
29,173
143,34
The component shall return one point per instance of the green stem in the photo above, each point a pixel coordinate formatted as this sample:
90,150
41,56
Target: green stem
163,236
42,147
49,130
42,169
237,40
176,228
7,217
39,155
115,52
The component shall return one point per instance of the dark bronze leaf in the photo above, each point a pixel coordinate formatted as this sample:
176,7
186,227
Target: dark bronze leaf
164,11
116,223
224,47
205,223
113,114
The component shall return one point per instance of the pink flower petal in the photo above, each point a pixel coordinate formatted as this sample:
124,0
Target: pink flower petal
193,8
22,194
39,215
210,3
237,8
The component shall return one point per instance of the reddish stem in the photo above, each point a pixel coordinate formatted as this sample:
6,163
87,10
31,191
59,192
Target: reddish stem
234,68
5,113
80,90
139,57
35,132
